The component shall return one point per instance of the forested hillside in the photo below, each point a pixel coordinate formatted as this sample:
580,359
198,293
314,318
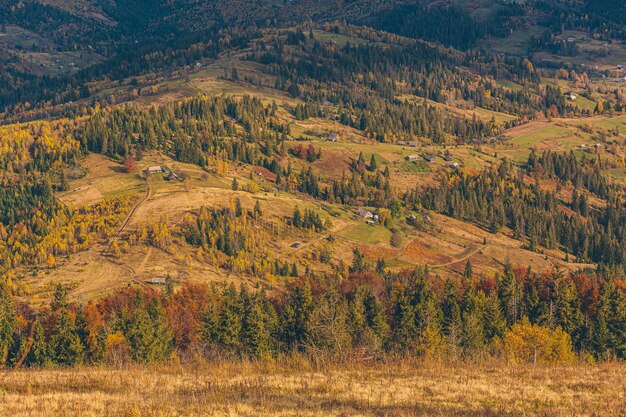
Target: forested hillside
318,181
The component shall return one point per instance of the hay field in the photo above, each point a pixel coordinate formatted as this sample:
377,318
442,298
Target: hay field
294,387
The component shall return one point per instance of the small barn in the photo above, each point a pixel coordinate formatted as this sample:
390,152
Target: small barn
412,158
571,95
158,281
154,169
366,214
429,158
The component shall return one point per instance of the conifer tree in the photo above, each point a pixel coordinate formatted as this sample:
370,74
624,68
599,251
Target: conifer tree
509,295
39,355
8,324
451,312
373,166
148,333
66,348
230,320
358,261
468,272
296,315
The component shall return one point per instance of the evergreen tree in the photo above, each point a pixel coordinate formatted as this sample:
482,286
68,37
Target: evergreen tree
230,320
451,312
373,166
8,324
509,295
39,355
358,261
468,272
296,315
59,298
65,345
148,333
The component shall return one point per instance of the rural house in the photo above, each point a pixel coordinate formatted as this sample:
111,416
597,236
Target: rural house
154,169
158,281
366,214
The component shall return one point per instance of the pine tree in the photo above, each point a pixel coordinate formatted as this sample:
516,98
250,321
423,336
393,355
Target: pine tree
8,324
600,337
238,208
380,266
473,337
494,320
59,298
209,332
567,308
296,219
509,295
358,261
230,320
149,335
296,316
373,164
256,325
257,209
404,330
468,272
451,312
66,347
39,354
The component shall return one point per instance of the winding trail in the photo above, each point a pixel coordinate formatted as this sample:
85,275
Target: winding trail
122,226
467,254
105,252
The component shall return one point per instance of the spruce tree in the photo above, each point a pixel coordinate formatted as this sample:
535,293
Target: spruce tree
509,295
468,272
373,164
8,324
296,315
66,347
39,355
230,320
149,335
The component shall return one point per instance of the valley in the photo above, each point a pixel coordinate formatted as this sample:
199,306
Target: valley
278,208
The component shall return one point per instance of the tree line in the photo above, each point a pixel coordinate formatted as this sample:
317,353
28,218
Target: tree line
361,312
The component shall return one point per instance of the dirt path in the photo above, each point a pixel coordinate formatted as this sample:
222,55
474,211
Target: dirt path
144,262
121,228
106,250
464,257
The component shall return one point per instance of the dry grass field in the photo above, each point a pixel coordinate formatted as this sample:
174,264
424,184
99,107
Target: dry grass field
297,388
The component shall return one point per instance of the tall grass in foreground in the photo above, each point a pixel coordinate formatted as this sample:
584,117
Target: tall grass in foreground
295,386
